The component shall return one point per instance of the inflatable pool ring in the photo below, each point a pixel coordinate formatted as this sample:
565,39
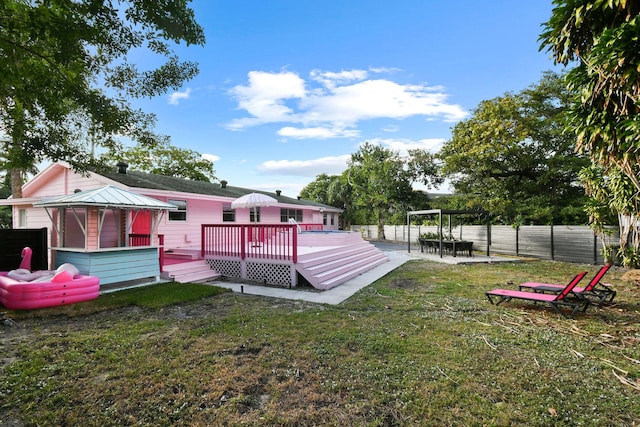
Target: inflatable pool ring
51,288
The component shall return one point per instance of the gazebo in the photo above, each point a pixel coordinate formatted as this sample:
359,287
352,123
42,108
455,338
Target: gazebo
90,230
449,213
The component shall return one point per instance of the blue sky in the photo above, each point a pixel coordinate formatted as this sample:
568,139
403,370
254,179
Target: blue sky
288,89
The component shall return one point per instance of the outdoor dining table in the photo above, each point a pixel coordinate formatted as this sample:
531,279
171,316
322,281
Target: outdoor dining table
448,245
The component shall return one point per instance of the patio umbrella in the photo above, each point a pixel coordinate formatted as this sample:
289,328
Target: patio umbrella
253,200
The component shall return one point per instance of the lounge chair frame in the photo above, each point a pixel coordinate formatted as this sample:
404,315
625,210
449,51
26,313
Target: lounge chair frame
600,292
565,298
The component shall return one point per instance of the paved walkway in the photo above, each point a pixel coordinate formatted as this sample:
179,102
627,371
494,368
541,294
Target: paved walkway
332,296
397,254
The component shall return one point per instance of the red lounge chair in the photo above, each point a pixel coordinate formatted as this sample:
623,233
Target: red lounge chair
554,300
601,292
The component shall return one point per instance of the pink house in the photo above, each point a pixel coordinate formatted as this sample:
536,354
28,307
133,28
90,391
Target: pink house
266,244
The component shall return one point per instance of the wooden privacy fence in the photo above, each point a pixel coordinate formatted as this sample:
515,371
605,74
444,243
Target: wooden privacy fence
571,243
12,241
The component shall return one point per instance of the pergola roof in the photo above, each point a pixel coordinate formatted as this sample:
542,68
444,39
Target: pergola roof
108,196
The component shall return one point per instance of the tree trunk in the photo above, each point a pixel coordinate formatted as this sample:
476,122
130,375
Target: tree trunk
381,235
16,183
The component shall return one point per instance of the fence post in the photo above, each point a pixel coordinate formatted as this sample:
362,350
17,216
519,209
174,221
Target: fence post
552,245
517,240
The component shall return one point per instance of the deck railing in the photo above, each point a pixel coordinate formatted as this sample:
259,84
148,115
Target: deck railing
145,240
268,241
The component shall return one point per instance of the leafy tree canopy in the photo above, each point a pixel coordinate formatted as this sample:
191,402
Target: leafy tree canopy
67,72
381,183
513,159
168,160
603,38
377,186
317,189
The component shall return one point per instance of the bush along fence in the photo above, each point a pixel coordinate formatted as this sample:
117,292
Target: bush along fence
571,243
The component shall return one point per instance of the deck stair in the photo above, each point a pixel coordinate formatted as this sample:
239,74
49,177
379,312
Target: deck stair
182,254
196,271
330,268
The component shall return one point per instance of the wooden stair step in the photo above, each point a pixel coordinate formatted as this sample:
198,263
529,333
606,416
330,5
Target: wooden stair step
196,277
335,281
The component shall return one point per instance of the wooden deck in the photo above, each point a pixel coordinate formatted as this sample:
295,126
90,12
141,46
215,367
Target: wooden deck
323,259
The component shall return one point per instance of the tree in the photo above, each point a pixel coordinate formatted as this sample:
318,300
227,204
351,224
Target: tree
317,189
381,184
513,159
166,159
601,39
340,194
332,190
613,194
67,65
5,211
424,168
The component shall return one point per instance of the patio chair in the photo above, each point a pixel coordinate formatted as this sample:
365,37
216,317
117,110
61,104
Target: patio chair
566,297
600,292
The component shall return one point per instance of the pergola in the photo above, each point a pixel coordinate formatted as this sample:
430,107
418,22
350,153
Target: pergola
449,213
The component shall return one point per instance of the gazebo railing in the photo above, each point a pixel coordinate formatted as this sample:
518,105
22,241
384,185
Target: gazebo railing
145,240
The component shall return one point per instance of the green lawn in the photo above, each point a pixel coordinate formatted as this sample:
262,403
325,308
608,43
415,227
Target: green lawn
421,346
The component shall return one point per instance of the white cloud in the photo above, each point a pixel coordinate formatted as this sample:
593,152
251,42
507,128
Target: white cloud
335,100
402,145
265,96
175,97
330,165
330,79
211,157
317,132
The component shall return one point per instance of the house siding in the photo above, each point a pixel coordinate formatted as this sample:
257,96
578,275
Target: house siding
59,179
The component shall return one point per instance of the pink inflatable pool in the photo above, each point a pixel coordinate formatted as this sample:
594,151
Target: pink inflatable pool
49,289
17,295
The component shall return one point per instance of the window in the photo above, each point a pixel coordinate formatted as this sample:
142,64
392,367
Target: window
333,219
22,218
324,218
228,214
254,215
181,213
285,214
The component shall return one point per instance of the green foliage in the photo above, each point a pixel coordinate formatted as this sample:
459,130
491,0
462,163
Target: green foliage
613,194
381,183
6,218
68,72
513,159
377,186
168,160
317,189
601,38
